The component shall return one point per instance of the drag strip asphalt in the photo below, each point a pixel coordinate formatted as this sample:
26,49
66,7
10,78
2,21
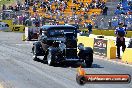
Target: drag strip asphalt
19,70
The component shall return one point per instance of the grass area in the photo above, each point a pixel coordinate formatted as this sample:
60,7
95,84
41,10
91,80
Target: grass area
6,2
108,32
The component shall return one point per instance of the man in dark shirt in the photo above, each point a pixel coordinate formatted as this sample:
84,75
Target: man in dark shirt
37,23
120,39
105,10
89,26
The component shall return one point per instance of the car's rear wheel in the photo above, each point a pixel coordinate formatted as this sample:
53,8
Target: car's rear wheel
50,59
89,60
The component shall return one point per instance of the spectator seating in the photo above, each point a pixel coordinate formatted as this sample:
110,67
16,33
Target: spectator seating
68,11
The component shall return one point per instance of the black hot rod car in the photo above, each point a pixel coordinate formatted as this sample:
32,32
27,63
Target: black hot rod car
58,43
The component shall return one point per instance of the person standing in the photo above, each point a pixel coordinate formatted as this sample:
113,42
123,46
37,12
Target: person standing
43,21
4,7
104,12
37,23
89,26
109,24
120,33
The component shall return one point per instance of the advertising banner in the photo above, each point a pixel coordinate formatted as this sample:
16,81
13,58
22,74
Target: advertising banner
100,47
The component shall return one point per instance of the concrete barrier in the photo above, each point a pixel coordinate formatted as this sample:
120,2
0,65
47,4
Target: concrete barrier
18,28
111,49
127,55
23,37
106,32
9,22
14,28
89,42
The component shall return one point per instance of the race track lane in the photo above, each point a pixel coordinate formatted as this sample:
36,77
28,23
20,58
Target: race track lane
18,70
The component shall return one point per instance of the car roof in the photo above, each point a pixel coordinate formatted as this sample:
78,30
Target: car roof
48,27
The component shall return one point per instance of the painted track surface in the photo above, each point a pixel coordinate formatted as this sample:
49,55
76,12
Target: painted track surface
18,70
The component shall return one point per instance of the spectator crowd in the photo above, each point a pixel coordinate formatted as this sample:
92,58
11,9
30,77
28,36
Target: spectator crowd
123,14
54,10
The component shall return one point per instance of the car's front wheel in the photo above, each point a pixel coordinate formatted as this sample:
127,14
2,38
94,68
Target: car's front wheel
50,59
34,53
89,60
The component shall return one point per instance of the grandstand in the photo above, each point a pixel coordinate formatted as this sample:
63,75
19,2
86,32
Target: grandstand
79,12
123,12
69,11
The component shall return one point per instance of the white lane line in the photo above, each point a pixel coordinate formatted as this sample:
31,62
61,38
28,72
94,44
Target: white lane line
30,42
120,63
23,44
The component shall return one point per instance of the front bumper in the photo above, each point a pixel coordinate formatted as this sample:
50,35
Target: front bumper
71,59
68,60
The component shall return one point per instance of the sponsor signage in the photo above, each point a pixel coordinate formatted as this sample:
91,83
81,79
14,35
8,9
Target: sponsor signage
100,47
18,28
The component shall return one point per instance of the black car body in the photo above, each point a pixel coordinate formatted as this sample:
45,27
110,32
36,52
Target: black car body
58,43
75,25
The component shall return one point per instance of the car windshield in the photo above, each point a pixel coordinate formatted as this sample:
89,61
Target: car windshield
60,33
56,33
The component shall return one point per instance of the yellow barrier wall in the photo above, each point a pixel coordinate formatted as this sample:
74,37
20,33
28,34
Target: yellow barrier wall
9,22
107,32
15,28
87,41
127,55
18,28
111,49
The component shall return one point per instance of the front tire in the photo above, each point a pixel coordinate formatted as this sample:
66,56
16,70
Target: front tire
89,60
34,54
50,59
